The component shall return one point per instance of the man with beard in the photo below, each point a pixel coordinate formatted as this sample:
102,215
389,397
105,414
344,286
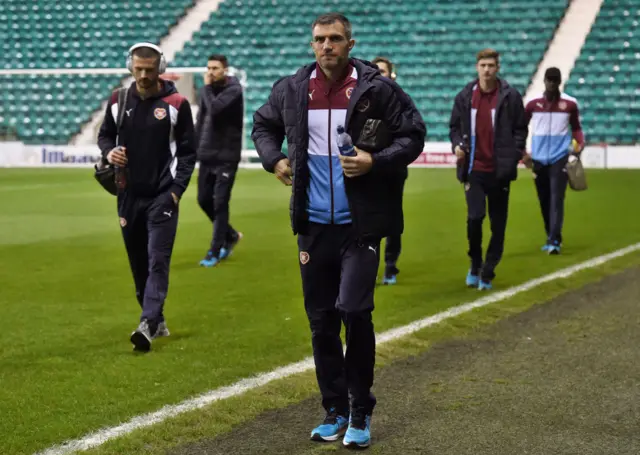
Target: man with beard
154,156
219,139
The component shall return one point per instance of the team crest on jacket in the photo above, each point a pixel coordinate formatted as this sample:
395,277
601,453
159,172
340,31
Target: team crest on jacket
562,105
304,257
123,222
363,105
160,113
349,92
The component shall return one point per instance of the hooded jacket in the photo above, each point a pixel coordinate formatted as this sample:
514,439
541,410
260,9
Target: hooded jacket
219,124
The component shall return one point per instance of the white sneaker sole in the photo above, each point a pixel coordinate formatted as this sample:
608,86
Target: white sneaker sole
332,438
355,445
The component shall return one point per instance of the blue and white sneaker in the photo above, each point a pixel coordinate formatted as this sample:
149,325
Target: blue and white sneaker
472,280
210,262
485,285
226,251
389,280
553,249
545,247
333,426
207,258
358,435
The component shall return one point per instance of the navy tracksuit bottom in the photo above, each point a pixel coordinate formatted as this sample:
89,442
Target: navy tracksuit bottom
149,226
551,185
392,248
482,189
214,193
338,282
393,244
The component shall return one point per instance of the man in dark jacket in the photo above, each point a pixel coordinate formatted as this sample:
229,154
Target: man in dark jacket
393,243
219,139
340,206
154,150
491,113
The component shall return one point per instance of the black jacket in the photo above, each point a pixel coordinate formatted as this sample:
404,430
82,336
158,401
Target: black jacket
157,133
374,209
219,124
509,132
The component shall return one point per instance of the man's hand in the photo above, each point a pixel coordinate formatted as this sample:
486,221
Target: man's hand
283,172
527,160
117,156
459,152
176,199
355,166
208,79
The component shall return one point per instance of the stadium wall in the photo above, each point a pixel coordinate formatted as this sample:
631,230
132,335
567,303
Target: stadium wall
434,155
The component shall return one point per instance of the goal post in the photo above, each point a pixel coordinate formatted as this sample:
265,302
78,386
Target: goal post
66,106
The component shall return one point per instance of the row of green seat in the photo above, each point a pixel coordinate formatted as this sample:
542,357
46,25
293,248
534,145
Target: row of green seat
432,43
606,76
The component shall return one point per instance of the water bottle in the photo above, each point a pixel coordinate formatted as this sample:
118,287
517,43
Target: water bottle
120,177
345,144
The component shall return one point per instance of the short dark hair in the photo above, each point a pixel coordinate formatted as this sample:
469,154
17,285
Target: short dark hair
146,52
384,60
219,58
488,53
330,18
553,74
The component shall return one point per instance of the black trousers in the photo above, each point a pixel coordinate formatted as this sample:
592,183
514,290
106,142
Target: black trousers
392,248
483,188
338,282
551,186
149,228
393,244
214,193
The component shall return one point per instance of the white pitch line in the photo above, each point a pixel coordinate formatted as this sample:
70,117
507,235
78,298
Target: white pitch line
102,436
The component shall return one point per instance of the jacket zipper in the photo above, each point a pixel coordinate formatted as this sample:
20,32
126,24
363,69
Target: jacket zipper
549,138
494,123
330,158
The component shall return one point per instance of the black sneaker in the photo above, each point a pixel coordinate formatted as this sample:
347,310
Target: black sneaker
141,337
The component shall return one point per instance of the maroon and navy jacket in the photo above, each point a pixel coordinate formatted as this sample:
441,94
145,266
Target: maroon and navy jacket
508,128
291,112
158,135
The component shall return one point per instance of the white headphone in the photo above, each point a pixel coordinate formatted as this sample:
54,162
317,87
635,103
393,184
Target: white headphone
162,65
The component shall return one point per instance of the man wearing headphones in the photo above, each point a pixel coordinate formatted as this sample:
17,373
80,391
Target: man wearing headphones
393,241
219,141
154,150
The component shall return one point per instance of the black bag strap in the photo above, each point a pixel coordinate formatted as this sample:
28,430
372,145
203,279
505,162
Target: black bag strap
122,105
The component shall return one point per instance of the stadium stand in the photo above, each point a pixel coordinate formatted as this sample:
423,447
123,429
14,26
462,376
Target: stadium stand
44,34
433,43
606,76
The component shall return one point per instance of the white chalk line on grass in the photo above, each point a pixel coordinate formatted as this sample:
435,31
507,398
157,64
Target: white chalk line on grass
102,436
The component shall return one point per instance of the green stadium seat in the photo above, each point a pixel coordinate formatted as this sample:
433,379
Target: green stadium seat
432,43
606,76
81,34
